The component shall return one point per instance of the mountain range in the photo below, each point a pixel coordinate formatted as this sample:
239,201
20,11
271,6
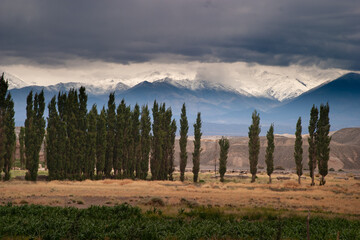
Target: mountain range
225,110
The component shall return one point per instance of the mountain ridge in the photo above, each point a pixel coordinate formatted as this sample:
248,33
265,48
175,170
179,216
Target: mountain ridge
224,110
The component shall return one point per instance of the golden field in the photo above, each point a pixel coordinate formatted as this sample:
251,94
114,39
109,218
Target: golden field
337,196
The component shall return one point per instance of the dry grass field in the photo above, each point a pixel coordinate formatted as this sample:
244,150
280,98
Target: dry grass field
337,196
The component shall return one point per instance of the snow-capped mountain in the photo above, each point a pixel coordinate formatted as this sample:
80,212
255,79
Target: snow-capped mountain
283,86
278,83
13,81
90,88
223,109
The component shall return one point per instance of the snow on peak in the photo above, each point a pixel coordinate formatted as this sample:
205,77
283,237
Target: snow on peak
14,82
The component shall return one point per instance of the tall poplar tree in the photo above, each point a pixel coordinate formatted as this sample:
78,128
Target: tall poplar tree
3,93
110,126
269,156
9,135
34,133
298,151
155,142
323,142
184,127
52,151
22,147
120,139
312,139
197,147
224,150
166,136
101,143
145,141
73,162
254,144
128,141
82,132
172,149
91,143
62,139
135,134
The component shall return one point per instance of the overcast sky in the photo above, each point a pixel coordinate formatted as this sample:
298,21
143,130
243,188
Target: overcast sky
42,36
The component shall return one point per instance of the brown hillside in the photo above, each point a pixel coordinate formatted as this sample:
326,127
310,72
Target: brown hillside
344,151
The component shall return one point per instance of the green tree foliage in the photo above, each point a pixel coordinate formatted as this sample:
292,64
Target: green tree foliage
120,139
197,147
162,143
323,141
127,150
145,142
184,127
312,139
34,133
269,156
9,127
156,149
3,93
110,126
254,144
73,159
22,147
135,143
82,132
173,129
91,143
62,139
53,156
224,150
166,135
298,151
101,143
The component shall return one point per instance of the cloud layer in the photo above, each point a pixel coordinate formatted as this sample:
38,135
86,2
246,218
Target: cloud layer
325,33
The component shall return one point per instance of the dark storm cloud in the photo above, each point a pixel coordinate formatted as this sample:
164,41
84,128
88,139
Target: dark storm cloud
272,32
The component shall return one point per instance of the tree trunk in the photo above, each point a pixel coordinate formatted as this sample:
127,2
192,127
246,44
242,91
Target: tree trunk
322,181
313,177
253,178
299,180
269,179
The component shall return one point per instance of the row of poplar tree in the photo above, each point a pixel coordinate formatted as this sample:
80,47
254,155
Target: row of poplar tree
319,145
118,142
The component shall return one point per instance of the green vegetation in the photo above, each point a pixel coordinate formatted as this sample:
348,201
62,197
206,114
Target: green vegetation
323,142
162,145
110,135
269,156
319,141
22,147
224,150
145,141
184,127
254,144
127,222
7,129
197,147
312,142
298,151
34,132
